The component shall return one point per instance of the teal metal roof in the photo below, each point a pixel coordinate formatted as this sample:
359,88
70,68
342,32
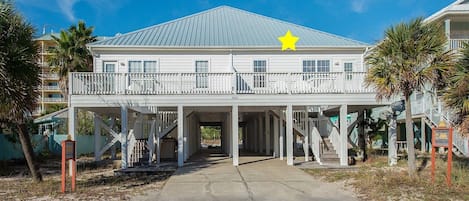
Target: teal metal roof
225,27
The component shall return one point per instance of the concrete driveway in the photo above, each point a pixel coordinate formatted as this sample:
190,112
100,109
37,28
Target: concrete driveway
257,178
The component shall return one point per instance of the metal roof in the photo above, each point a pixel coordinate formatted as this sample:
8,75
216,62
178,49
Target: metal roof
224,27
457,7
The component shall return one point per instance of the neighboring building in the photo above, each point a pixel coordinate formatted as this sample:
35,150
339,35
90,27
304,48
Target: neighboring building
50,95
224,67
50,98
427,109
455,20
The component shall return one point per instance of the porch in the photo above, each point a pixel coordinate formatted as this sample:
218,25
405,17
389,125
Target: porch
217,83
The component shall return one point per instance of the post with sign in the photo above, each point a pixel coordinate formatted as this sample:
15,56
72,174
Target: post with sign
442,136
68,153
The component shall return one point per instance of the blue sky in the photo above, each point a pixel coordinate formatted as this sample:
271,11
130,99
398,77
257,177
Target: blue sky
363,20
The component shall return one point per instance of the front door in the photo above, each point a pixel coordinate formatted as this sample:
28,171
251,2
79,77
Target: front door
110,79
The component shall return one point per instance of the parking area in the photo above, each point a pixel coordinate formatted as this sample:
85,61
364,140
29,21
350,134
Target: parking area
211,176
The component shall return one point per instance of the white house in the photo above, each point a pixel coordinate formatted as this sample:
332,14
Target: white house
224,66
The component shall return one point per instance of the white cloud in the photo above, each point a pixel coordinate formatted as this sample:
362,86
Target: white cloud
359,6
66,7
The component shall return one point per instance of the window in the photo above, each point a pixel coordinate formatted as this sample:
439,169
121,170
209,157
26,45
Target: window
135,67
309,66
260,67
150,67
348,69
143,67
109,67
201,78
323,66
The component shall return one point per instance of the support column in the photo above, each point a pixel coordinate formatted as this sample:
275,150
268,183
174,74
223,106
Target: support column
423,135
158,140
306,137
124,140
343,135
267,133
186,138
72,125
281,138
180,136
289,134
260,134
234,134
276,136
97,137
448,28
255,136
229,138
114,147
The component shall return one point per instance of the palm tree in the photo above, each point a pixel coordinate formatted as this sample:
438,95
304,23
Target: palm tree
71,54
19,78
412,55
456,96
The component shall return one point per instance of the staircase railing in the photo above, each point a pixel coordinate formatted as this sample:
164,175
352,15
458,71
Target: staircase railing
334,137
316,143
438,113
130,148
151,141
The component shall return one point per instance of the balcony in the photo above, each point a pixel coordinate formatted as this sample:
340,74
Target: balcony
50,88
216,83
53,100
50,76
456,44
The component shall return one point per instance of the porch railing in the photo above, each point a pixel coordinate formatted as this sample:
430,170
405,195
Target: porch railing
456,44
217,83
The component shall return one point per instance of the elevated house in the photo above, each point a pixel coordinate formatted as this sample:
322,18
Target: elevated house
225,67
427,109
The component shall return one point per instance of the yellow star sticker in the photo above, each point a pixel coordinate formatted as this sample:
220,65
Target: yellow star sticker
288,41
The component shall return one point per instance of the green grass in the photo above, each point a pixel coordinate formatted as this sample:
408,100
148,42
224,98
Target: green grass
376,181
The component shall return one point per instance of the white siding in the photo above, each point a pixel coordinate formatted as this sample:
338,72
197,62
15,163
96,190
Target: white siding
242,61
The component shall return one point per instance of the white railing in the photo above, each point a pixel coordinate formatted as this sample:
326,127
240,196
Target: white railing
299,120
423,104
151,141
167,119
49,76
45,87
217,83
334,137
316,143
456,44
55,100
130,148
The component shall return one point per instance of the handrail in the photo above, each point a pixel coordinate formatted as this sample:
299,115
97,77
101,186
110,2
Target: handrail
316,143
89,83
334,137
130,148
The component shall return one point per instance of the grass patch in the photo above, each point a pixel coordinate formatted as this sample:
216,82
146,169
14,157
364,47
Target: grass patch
376,181
95,181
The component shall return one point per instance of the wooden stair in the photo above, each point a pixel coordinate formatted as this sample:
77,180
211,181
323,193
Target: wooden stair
329,155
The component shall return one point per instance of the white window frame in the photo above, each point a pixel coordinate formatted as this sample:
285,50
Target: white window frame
109,62
201,81
259,81
142,62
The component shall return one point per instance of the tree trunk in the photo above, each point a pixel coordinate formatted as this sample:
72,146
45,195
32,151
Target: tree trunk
410,137
29,152
392,141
